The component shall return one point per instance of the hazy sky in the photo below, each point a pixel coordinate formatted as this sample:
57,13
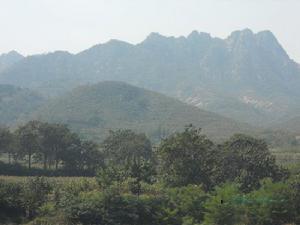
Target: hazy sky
39,26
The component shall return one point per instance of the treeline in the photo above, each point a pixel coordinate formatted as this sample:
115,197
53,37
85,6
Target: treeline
186,180
39,201
51,147
186,157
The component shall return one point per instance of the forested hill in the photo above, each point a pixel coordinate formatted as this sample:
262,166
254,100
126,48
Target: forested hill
93,110
247,76
16,103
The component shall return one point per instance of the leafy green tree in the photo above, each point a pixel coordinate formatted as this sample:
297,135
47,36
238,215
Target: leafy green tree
28,138
109,207
132,153
55,138
35,194
81,155
91,156
223,208
143,171
185,205
49,139
295,185
10,199
272,204
248,160
111,175
126,147
187,158
71,156
6,142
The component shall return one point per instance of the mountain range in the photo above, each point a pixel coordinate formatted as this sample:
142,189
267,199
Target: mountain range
247,76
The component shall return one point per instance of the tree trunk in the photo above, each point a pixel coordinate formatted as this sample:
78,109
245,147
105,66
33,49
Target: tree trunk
56,164
45,161
29,161
9,158
56,157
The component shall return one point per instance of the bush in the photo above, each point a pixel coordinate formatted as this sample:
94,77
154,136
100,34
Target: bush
34,194
222,208
10,199
273,203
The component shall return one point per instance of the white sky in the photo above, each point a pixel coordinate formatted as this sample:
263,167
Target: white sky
38,26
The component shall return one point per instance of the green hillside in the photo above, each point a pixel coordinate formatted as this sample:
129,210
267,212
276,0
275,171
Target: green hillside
93,110
16,103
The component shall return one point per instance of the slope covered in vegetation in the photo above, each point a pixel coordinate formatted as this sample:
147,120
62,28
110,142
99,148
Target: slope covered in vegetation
95,109
16,103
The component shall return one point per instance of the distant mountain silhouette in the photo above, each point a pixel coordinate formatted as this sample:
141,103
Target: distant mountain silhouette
8,59
247,76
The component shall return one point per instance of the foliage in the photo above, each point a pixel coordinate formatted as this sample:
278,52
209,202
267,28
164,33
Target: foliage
7,142
34,195
94,110
82,201
271,204
49,144
128,155
125,147
17,103
247,160
186,204
221,208
187,158
187,180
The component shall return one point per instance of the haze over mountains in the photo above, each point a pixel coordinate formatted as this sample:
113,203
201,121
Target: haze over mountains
247,77
17,103
93,110
8,59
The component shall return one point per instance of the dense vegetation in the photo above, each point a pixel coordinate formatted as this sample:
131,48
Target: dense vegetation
83,201
17,103
49,146
187,180
93,110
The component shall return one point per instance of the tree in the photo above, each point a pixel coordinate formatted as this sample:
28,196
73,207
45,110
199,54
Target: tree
186,204
131,152
273,203
55,138
70,155
187,158
223,207
91,156
34,194
248,160
79,155
126,147
6,142
28,137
